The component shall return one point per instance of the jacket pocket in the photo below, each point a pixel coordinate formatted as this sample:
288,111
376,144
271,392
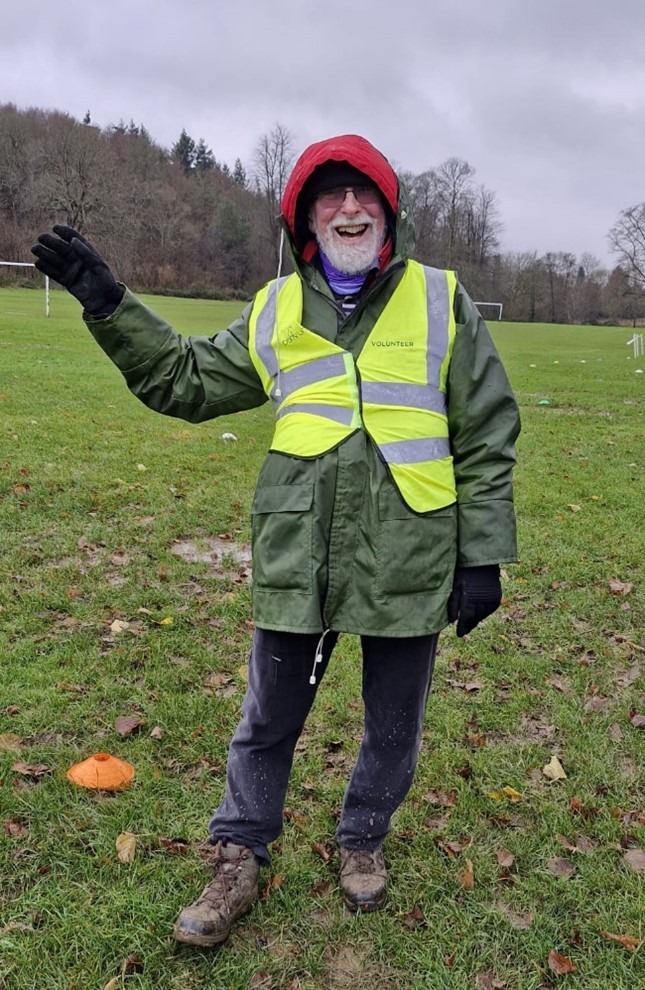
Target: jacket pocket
415,553
282,535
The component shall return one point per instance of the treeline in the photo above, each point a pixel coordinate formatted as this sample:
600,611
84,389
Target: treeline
180,221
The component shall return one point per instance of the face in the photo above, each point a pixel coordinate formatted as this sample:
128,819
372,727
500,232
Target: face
350,230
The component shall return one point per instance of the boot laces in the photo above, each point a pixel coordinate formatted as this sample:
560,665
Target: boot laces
364,861
225,873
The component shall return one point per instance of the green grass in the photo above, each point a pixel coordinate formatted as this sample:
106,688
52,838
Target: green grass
94,492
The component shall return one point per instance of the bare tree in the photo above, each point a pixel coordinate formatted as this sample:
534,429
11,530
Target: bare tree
423,193
453,178
74,167
272,163
627,240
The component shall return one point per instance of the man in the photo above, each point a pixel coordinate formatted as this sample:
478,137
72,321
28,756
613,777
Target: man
383,508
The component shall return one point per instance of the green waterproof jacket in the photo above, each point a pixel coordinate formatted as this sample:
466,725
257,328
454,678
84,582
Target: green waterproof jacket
334,546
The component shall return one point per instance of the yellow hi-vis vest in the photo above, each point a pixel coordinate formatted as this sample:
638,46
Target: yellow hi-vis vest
395,390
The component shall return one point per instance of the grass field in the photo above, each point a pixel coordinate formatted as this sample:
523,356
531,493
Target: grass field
486,883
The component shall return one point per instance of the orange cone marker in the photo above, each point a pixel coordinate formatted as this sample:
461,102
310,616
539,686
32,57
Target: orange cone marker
102,772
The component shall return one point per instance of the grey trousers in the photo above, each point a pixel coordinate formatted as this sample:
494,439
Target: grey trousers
396,680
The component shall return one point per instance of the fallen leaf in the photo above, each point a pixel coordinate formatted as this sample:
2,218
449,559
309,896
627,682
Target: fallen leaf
638,721
15,830
636,859
298,818
597,704
554,770
71,688
475,739
274,883
584,844
620,587
243,671
126,847
520,922
16,926
131,965
10,741
322,851
566,843
437,824
127,725
259,980
119,626
441,799
31,769
215,680
467,877
451,849
627,941
157,732
508,793
574,508
415,918
174,845
616,732
560,965
468,686
630,676
322,889
578,808
560,867
505,858
112,984
168,621
488,981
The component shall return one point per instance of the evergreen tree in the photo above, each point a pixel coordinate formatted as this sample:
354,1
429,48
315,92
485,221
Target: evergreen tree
183,152
87,119
204,159
239,173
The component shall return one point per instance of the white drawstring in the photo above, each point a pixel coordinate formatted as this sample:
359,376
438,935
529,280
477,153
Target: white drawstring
318,657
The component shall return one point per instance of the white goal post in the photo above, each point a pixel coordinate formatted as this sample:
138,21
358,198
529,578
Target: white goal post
498,306
29,264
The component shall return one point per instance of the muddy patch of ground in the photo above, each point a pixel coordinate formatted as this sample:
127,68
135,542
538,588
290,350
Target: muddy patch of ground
227,559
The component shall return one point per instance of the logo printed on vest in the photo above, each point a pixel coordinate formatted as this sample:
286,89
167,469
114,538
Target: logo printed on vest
392,343
292,334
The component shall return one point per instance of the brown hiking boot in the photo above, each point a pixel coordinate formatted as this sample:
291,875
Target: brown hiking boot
228,896
363,879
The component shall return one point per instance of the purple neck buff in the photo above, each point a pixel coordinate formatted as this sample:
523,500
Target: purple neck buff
341,283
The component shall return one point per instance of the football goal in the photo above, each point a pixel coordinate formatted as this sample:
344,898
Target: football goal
496,307
27,264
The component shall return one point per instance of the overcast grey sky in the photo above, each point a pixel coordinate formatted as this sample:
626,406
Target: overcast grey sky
545,98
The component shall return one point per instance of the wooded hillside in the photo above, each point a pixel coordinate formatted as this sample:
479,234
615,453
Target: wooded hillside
180,221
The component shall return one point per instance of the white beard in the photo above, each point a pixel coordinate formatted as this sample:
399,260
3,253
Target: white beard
345,255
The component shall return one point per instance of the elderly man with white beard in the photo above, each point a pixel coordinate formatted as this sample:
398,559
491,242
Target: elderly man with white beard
383,509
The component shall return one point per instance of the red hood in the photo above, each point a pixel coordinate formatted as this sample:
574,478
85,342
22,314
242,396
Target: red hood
346,148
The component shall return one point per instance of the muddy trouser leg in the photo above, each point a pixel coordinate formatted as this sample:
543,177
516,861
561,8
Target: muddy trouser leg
275,707
396,681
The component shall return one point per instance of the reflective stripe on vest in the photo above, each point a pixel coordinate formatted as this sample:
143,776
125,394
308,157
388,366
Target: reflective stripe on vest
403,369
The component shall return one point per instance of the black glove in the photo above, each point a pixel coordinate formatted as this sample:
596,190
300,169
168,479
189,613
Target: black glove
72,262
476,593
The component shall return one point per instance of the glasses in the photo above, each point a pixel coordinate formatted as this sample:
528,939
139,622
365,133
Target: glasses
365,195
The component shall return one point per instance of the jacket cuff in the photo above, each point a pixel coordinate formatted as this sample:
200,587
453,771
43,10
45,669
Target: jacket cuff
487,533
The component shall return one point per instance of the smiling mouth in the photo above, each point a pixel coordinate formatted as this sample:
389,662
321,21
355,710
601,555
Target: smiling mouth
352,232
